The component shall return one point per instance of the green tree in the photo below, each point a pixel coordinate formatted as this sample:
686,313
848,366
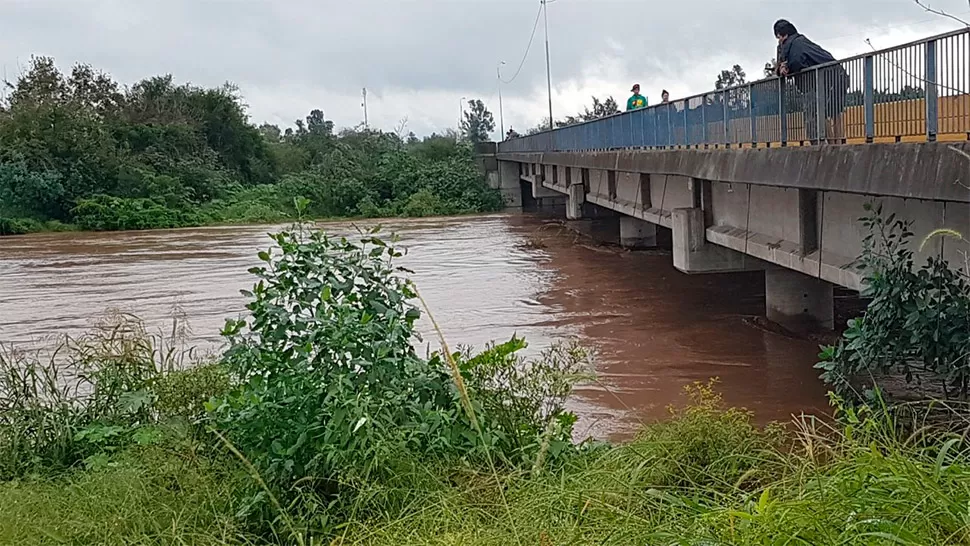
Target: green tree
600,109
79,149
730,78
769,69
477,122
270,132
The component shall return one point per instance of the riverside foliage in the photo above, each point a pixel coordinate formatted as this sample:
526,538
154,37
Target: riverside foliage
78,149
917,325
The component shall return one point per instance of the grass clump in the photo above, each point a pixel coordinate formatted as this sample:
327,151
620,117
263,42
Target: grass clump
162,494
815,484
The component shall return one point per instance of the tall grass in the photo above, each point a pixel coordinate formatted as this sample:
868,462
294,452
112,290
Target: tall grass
107,375
168,494
708,476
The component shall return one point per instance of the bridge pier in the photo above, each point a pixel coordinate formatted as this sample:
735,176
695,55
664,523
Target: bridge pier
693,254
797,301
510,184
636,233
576,199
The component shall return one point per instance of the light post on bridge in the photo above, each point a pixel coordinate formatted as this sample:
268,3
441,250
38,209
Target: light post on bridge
501,117
545,16
461,114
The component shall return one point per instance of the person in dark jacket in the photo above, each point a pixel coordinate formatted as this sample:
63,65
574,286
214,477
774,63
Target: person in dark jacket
796,53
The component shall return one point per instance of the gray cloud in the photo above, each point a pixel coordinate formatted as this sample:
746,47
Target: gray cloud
419,57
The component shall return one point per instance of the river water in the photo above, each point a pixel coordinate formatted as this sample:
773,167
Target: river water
485,278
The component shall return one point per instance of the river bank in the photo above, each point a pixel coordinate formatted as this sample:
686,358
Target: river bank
706,475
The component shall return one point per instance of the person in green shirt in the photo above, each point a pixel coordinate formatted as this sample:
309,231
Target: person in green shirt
637,100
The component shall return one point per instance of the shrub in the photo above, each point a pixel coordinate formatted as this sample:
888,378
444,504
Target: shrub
107,213
917,324
332,396
523,400
329,378
183,394
703,445
19,226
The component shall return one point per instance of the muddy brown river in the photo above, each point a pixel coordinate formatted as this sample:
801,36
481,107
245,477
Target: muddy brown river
485,278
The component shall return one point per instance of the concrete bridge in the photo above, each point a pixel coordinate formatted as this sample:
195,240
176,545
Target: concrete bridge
771,175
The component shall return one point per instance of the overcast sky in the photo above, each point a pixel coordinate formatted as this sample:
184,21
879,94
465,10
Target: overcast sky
418,58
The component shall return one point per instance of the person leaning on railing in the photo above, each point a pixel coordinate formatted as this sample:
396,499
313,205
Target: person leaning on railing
797,53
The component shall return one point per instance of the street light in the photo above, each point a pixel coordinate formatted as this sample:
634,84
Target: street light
501,117
545,16
461,112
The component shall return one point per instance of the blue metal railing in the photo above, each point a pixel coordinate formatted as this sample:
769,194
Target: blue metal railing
916,91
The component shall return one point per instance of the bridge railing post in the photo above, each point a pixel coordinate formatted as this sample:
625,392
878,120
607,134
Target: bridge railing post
686,124
670,126
727,119
783,116
751,116
868,97
704,120
932,93
821,92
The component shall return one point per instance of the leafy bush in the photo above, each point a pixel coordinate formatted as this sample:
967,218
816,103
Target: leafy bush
183,394
332,395
19,226
28,192
521,402
917,324
106,213
329,376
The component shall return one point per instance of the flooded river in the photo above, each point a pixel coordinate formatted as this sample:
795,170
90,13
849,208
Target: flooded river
653,329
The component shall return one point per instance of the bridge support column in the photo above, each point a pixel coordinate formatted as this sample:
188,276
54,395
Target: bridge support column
693,254
577,197
636,233
797,301
510,184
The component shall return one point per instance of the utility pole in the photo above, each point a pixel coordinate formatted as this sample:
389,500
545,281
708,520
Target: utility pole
364,104
545,16
461,114
501,116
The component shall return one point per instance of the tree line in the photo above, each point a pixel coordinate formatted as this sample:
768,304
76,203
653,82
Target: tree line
78,149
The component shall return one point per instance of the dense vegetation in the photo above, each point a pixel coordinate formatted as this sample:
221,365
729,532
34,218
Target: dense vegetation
320,424
78,149
917,326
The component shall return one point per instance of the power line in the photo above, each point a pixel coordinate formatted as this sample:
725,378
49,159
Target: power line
528,47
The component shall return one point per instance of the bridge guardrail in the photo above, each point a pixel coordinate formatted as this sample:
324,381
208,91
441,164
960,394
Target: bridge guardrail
914,92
